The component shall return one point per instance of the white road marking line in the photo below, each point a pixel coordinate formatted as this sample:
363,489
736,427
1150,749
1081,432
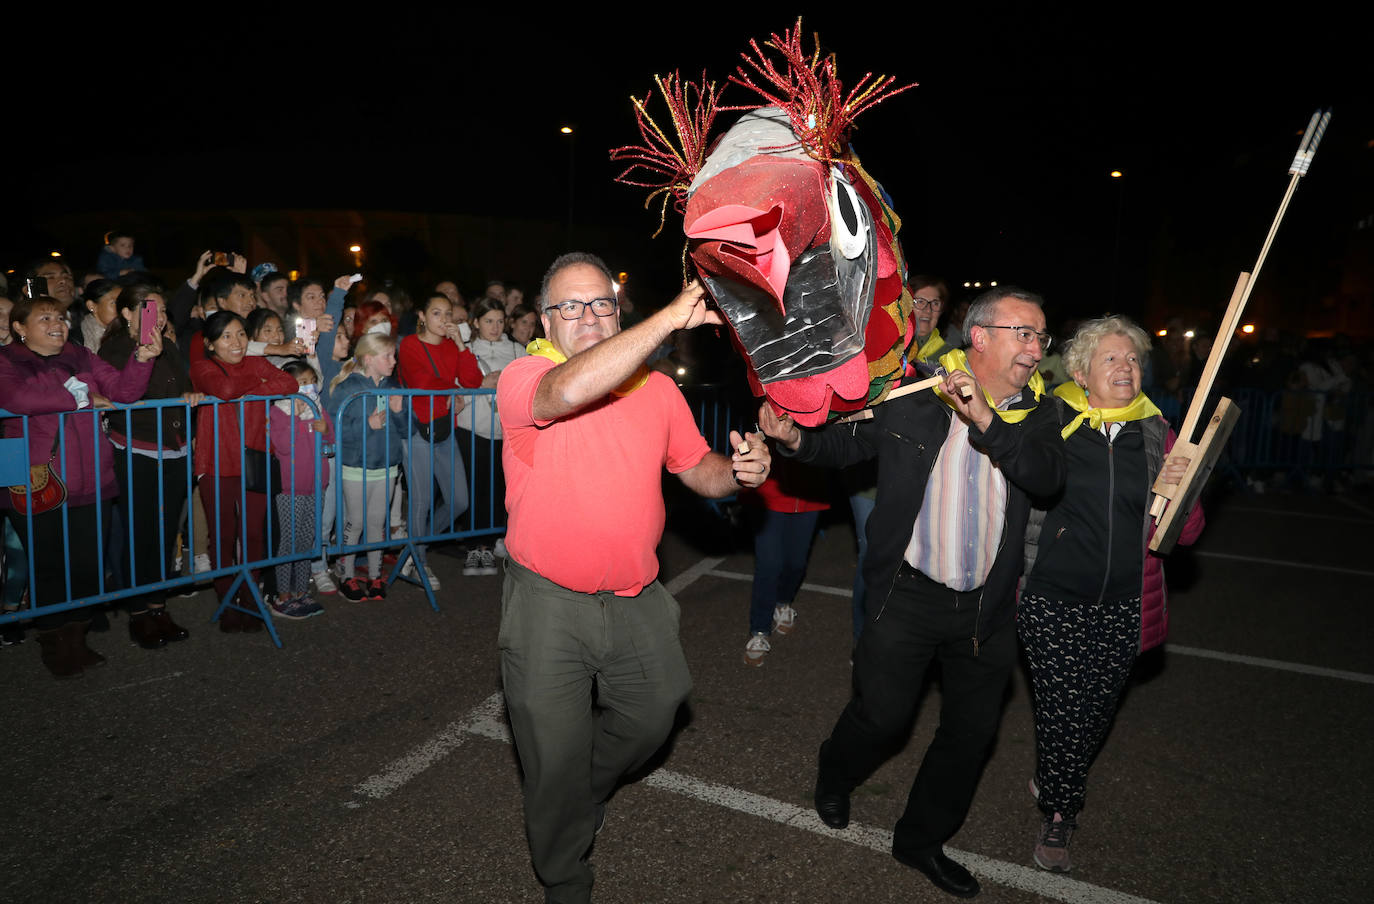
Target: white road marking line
486,722
1012,875
680,583
814,588
1356,506
1243,510
1284,562
122,687
400,771
1279,664
1186,651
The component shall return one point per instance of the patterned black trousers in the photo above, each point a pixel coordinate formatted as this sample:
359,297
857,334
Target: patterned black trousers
1080,656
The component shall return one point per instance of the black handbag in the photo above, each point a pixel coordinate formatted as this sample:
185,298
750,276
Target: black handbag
261,472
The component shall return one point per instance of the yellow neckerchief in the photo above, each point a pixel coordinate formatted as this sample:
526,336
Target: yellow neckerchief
1140,408
544,349
930,345
957,360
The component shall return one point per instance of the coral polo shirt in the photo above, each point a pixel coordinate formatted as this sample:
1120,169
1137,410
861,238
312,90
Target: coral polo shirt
584,491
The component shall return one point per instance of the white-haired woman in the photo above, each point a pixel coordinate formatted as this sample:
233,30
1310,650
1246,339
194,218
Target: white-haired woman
1094,595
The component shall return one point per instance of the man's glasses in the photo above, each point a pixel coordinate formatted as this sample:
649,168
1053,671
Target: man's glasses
1024,334
572,310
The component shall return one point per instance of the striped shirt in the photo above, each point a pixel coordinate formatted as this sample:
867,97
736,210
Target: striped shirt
959,527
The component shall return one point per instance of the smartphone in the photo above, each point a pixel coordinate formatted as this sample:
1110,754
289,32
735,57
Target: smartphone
36,286
147,323
223,258
305,331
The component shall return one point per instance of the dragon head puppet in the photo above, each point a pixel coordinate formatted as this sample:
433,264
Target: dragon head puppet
795,242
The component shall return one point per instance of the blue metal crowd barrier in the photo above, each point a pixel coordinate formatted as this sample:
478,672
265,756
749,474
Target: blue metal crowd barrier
432,455
118,421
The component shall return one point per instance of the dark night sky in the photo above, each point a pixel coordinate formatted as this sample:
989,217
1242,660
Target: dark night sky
997,162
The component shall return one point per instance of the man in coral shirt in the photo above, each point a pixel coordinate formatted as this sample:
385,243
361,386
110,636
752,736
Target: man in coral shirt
588,431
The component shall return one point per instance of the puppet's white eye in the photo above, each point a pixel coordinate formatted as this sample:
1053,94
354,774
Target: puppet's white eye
848,222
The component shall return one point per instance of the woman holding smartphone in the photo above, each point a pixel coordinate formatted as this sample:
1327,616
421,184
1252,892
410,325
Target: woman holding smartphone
151,454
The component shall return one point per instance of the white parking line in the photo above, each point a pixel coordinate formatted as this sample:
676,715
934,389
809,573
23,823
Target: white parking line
1272,664
679,583
1246,510
1283,563
1356,506
427,754
486,721
814,588
120,687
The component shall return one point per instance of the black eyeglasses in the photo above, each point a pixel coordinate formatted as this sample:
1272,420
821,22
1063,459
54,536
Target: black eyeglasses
572,310
924,303
1024,334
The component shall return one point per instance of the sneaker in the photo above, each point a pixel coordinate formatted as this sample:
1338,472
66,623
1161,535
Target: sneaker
473,565
488,562
295,608
756,649
413,573
376,589
1052,848
500,548
324,583
784,619
354,590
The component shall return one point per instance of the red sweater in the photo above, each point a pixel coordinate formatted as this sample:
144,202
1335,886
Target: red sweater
251,376
417,372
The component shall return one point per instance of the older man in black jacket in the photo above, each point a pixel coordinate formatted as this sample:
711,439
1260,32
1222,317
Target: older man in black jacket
944,552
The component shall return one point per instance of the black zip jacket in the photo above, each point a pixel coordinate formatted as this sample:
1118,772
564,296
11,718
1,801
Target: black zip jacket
905,435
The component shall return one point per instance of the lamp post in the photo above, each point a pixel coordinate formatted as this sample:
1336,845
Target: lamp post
572,179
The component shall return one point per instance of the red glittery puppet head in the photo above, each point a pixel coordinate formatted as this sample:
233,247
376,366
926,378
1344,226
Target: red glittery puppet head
794,241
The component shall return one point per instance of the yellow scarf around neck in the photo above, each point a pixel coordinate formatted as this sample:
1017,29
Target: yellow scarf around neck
544,349
1140,408
931,344
956,360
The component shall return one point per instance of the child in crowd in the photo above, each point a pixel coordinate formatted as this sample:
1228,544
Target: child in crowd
102,299
117,257
479,433
265,326
292,422
371,446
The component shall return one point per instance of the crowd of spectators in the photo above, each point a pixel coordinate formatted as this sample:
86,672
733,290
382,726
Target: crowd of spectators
71,348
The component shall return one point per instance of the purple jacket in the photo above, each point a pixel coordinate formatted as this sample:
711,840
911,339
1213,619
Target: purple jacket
31,384
282,426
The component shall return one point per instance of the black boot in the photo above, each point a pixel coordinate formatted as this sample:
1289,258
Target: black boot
144,631
57,655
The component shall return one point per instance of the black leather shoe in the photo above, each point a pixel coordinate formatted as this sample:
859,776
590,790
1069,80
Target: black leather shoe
832,807
946,874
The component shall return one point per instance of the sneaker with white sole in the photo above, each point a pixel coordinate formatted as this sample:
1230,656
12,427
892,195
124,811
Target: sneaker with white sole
473,564
324,583
784,619
756,649
1052,845
488,562
410,571
297,607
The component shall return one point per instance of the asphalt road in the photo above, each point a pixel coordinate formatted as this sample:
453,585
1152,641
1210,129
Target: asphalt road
366,761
